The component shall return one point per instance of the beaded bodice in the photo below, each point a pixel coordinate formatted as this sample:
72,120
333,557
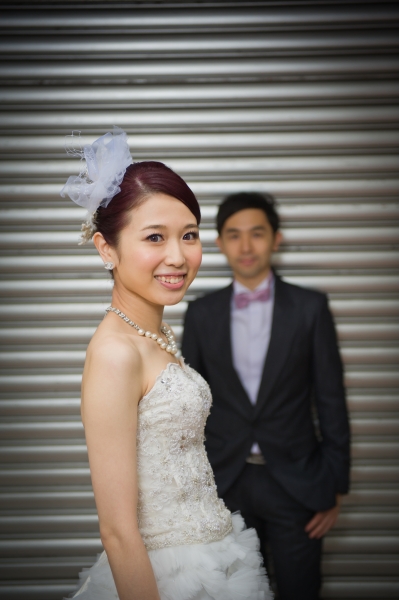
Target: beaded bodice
178,502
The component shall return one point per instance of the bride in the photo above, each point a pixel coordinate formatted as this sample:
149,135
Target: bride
166,534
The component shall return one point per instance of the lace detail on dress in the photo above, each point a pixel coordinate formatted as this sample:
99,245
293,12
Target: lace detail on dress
178,502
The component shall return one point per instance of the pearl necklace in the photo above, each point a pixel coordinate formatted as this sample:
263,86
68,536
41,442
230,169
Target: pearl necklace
169,346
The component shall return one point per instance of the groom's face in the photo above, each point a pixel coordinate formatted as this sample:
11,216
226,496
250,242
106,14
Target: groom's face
248,242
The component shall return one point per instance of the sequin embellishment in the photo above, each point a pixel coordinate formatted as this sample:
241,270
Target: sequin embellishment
178,502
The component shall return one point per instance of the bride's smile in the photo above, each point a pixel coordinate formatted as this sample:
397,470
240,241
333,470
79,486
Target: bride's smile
173,281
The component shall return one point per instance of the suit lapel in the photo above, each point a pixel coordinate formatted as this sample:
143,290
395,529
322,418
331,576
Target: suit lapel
283,330
222,339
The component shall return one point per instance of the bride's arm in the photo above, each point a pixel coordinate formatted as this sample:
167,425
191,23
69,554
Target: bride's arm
111,392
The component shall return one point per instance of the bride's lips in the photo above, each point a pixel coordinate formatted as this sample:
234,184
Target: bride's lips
172,281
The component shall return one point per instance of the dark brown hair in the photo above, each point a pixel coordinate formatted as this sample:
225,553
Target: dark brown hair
141,180
236,202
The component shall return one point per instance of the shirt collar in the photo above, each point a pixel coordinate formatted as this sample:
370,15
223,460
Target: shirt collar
268,281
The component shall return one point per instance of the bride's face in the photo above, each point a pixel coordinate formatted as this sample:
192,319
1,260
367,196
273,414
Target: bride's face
159,251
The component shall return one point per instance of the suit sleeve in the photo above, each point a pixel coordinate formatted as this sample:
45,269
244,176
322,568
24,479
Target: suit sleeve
191,344
330,398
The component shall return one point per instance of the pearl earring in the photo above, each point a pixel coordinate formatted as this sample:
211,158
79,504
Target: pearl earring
109,266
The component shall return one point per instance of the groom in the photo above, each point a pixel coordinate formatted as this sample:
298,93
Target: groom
278,435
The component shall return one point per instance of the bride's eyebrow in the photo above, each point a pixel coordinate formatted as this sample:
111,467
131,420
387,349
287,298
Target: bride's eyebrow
189,226
153,227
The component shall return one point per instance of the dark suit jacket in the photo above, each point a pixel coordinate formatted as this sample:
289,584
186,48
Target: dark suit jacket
302,369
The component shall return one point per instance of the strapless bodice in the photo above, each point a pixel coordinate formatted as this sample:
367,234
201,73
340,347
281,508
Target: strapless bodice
178,502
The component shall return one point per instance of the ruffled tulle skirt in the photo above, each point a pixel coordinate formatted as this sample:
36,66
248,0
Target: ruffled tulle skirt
230,569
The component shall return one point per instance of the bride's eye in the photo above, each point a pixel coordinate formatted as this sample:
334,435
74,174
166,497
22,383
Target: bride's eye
155,237
191,235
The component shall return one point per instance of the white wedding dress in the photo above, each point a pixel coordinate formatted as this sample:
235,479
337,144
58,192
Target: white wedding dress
198,550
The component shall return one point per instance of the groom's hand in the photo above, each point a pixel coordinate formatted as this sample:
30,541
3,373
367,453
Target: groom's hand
323,521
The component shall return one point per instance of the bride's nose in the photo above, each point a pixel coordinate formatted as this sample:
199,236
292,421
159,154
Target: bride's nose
174,254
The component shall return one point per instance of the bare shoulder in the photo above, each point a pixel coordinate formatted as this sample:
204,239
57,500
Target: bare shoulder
113,372
113,349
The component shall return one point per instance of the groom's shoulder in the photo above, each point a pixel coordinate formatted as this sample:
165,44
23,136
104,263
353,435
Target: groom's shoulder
302,294
211,302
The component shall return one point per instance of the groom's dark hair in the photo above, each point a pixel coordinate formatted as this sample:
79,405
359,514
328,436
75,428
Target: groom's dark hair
236,202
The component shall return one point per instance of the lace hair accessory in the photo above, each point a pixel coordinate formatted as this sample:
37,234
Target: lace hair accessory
98,182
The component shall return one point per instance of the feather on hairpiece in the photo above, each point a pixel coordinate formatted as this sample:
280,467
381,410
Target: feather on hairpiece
106,162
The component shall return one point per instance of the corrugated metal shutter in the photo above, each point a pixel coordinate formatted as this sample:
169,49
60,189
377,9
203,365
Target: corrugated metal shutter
299,99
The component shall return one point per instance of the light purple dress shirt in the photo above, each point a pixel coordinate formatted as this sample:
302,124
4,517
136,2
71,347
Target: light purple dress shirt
250,336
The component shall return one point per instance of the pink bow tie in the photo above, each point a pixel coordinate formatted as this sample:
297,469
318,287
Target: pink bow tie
242,300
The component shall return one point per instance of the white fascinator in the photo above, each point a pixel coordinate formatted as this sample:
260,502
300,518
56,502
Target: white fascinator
106,162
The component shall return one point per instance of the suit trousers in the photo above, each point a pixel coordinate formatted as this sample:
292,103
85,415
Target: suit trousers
279,521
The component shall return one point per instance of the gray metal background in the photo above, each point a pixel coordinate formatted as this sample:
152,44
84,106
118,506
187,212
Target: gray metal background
299,99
